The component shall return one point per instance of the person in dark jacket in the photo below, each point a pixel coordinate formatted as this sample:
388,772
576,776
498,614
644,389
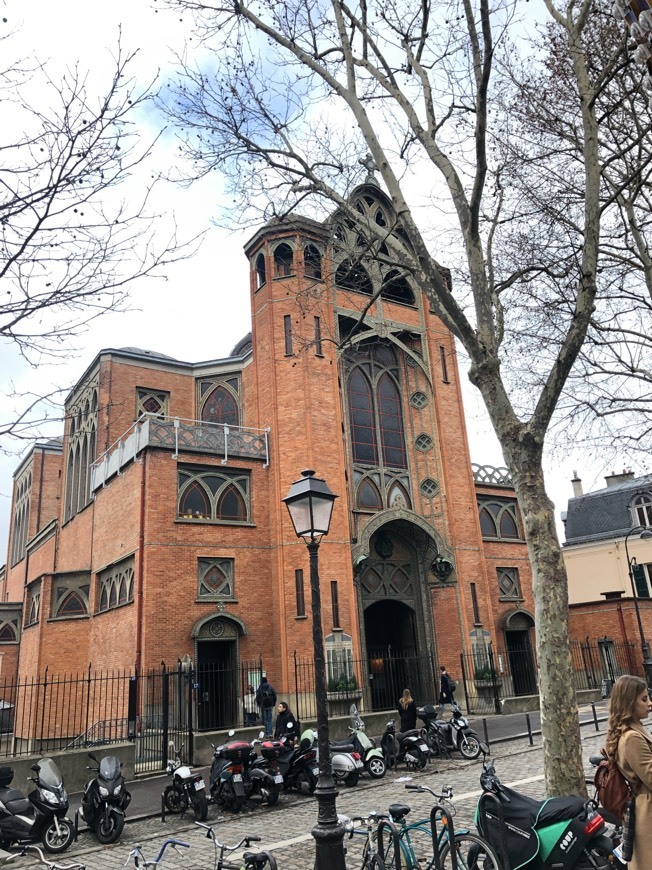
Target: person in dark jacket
284,717
446,692
266,700
407,710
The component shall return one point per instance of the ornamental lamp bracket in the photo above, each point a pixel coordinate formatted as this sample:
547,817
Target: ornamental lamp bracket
441,568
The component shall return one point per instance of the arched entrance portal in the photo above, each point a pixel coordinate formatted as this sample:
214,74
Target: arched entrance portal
394,577
218,672
517,626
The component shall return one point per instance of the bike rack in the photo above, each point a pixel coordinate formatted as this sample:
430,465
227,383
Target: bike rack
485,826
439,811
396,842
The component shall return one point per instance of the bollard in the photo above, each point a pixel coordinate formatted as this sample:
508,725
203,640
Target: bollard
163,806
595,716
486,731
529,729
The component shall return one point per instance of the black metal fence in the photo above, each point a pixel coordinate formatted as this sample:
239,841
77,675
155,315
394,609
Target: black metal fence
491,674
152,708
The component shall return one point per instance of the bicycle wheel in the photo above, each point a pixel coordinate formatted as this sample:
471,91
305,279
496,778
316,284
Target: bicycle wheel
472,853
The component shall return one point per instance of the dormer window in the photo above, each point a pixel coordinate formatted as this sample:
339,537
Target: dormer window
283,261
260,271
642,510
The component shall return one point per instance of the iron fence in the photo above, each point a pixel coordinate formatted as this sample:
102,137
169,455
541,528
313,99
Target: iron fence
152,708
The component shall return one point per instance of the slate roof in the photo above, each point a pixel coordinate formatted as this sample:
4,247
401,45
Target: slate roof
604,513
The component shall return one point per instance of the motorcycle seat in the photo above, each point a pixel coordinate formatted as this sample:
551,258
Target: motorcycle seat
399,811
14,800
341,746
401,735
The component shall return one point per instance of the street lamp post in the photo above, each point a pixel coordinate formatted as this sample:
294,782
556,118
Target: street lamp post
310,505
643,532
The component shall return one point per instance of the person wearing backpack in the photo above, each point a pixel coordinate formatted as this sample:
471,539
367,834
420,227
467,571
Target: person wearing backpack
266,700
448,686
630,744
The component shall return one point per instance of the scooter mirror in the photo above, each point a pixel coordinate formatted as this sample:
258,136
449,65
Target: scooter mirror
231,733
261,734
484,748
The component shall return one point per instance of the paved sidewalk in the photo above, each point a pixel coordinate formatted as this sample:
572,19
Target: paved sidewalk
285,829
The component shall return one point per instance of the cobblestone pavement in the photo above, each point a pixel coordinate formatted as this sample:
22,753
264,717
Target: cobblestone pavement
285,828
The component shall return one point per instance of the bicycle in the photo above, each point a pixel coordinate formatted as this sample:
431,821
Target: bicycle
252,860
371,859
51,865
140,860
469,851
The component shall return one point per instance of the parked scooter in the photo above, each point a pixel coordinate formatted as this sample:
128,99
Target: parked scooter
453,736
39,817
187,788
264,778
227,773
408,746
346,762
297,764
372,757
105,799
561,833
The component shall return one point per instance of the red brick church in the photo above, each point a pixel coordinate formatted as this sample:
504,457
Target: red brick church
155,529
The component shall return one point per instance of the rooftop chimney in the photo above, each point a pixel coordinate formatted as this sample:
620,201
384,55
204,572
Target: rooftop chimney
613,479
577,486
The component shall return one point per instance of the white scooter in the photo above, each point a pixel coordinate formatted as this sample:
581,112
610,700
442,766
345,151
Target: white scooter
372,757
346,763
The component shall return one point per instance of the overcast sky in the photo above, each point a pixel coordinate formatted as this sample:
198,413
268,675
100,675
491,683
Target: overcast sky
203,308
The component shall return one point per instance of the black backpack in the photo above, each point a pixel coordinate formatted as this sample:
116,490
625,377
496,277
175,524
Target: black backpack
266,696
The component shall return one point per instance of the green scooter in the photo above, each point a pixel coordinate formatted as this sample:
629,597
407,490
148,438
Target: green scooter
373,758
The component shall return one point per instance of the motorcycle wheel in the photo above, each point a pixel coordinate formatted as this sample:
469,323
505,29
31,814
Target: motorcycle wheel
471,852
230,799
175,799
377,767
53,842
423,760
469,746
200,806
352,779
272,795
109,830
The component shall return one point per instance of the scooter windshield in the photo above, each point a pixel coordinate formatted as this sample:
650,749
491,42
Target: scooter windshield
49,774
109,767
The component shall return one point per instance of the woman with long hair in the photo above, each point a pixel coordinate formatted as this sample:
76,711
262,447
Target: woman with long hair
407,710
630,744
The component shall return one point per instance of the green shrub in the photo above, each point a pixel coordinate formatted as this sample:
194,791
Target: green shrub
484,672
343,683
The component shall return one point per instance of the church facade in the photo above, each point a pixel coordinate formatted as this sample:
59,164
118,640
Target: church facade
154,529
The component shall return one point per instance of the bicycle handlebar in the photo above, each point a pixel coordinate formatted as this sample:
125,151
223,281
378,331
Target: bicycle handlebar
51,865
211,833
446,794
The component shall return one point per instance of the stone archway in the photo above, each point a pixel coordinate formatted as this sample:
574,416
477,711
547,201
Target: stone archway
217,654
394,575
517,628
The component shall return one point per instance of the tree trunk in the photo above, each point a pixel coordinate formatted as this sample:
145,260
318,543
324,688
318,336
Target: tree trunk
562,748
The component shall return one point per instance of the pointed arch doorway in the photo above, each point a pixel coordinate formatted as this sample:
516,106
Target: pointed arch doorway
395,600
217,656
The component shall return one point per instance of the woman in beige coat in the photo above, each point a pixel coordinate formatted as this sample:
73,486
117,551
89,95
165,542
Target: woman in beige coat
631,744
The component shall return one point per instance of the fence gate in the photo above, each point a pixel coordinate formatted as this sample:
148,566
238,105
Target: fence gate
160,713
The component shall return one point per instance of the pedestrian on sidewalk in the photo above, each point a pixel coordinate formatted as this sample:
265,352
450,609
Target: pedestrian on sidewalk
407,710
250,707
266,700
447,687
631,746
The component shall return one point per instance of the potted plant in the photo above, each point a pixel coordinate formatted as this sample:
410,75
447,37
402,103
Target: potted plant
342,691
485,676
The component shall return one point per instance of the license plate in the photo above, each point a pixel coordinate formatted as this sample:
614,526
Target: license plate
315,771
237,777
278,778
359,763
199,785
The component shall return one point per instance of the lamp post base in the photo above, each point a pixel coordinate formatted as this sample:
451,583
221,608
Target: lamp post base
328,832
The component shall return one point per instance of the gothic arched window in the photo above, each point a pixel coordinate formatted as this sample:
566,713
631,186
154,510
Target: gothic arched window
283,260
311,262
260,271
499,519
221,407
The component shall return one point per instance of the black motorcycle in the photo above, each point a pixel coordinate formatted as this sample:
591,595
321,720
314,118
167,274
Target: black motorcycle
563,833
228,771
454,735
187,788
408,747
297,764
105,799
39,817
